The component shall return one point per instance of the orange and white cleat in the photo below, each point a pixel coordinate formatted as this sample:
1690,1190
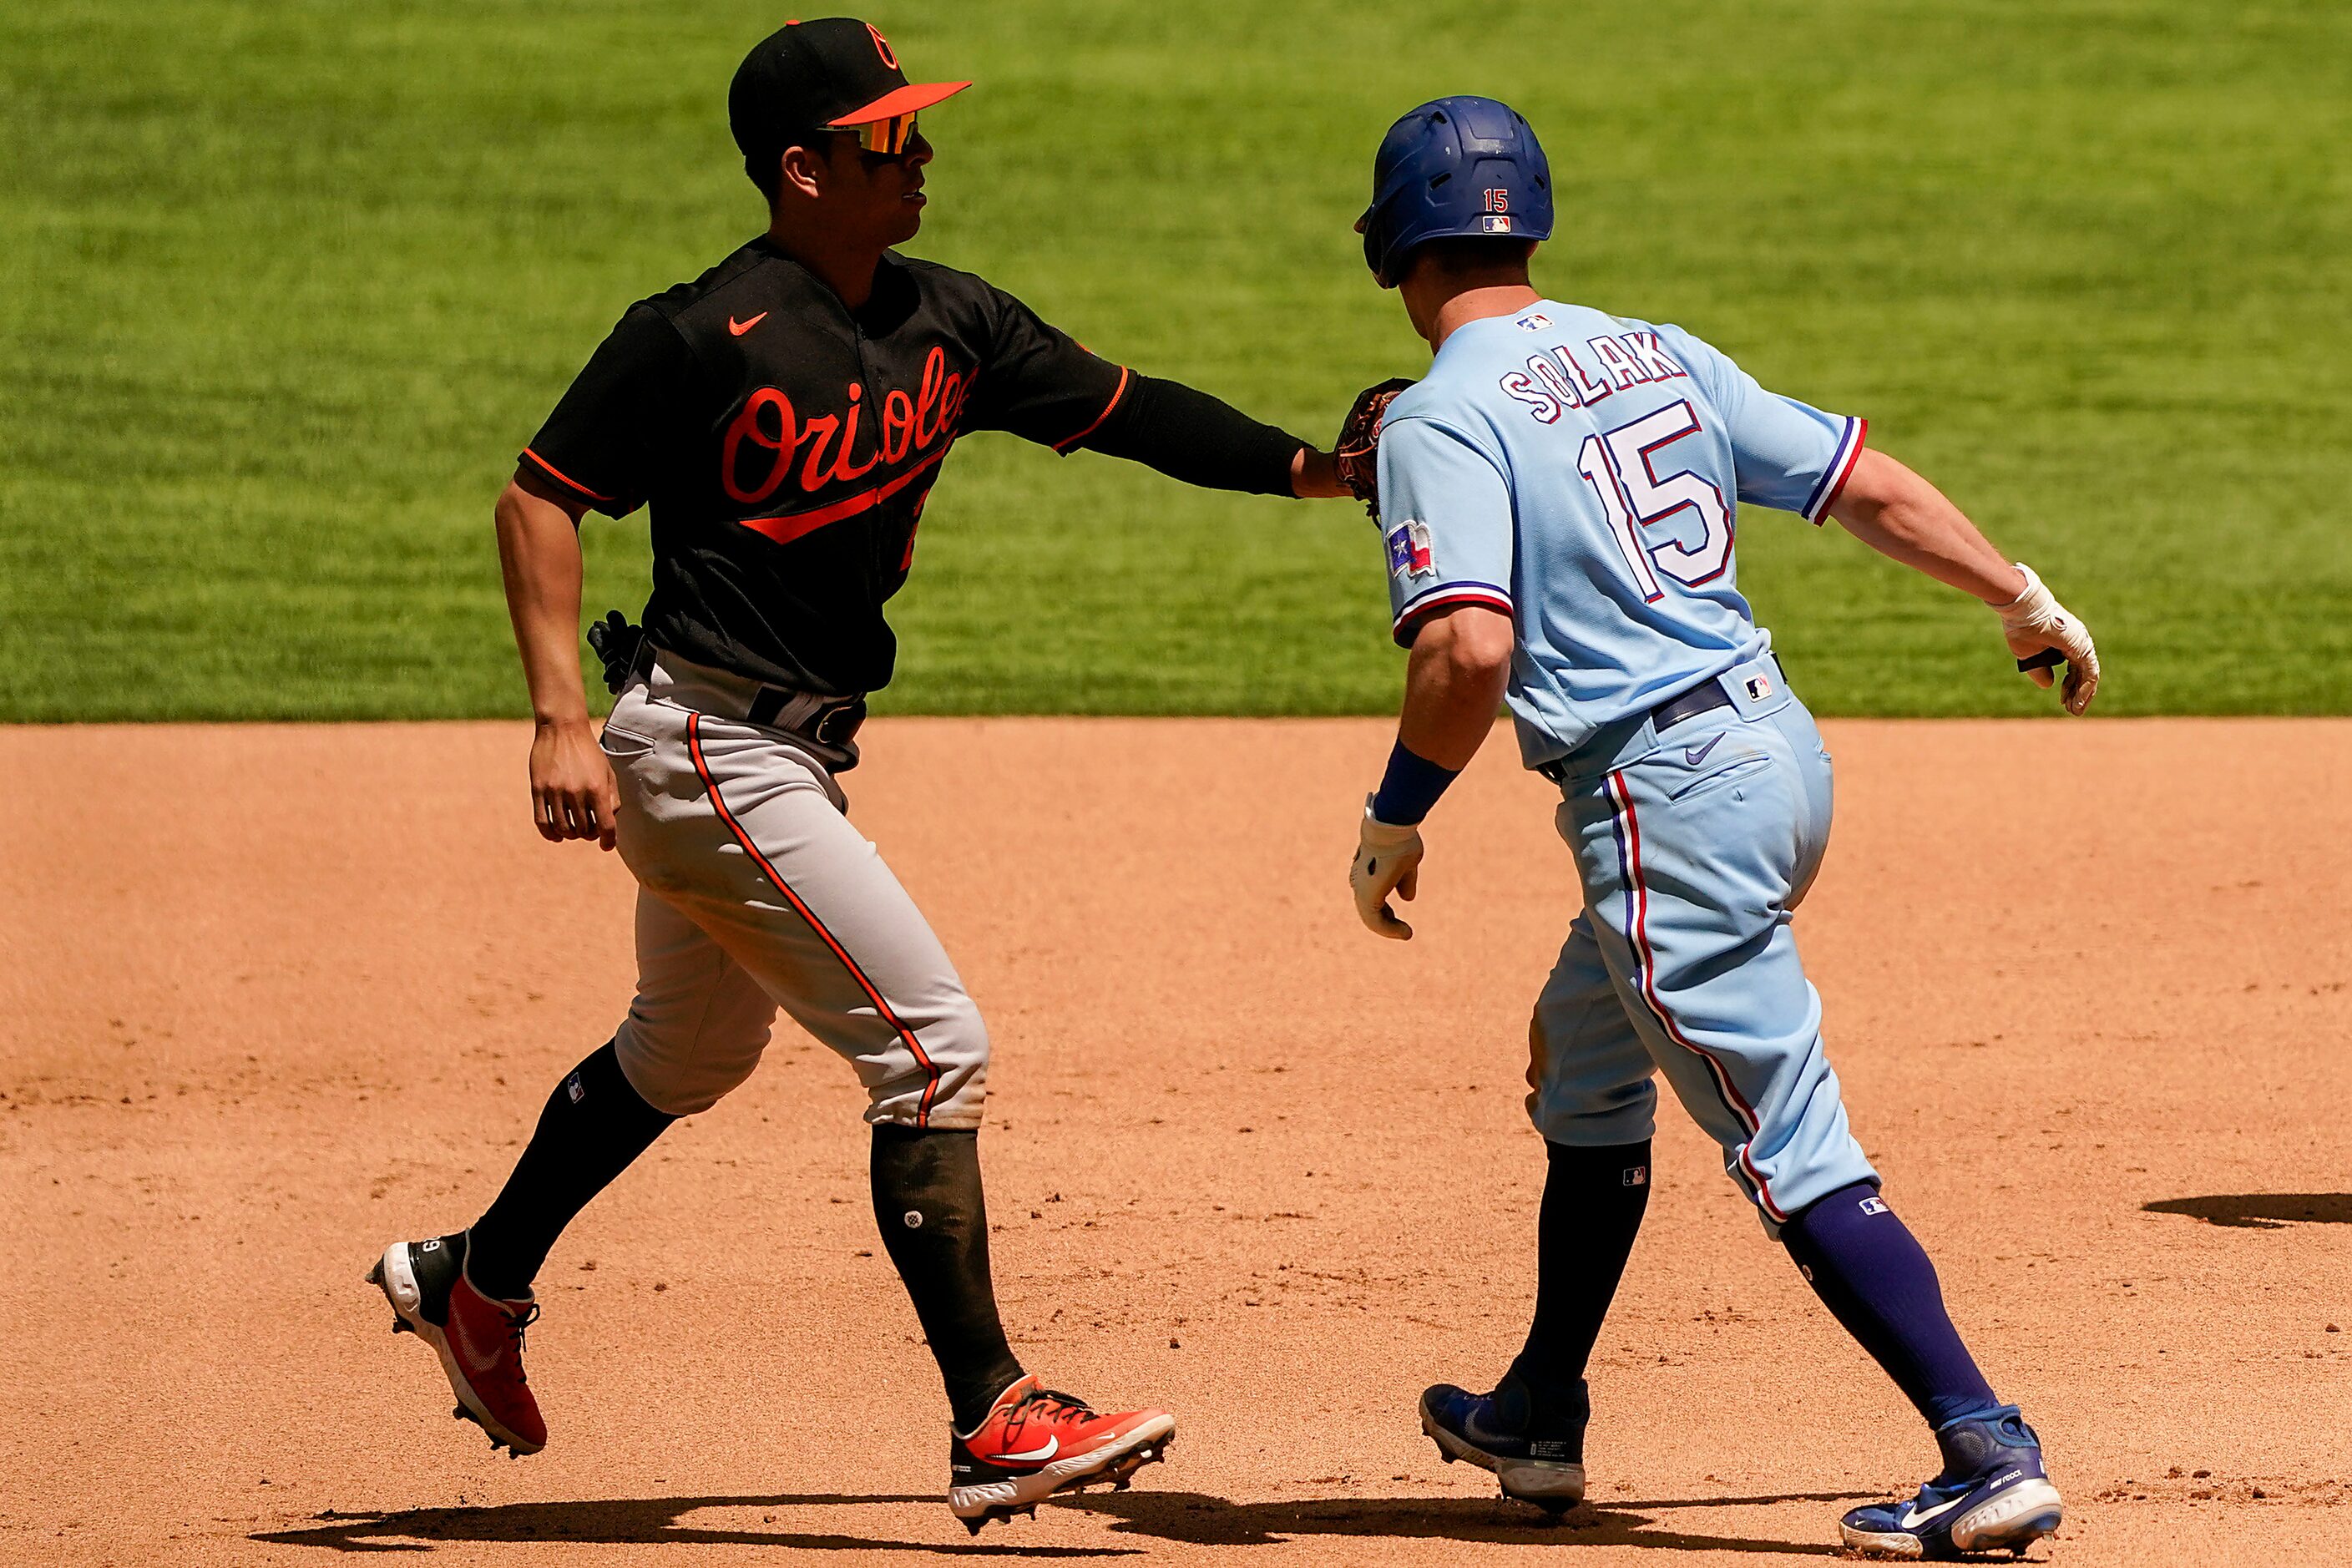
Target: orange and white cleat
478,1338
1034,1442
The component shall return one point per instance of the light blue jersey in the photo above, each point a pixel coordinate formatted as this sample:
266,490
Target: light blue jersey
1584,474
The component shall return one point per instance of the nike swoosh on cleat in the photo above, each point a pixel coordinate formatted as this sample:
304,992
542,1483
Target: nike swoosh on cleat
1053,1446
1912,1519
740,328
1694,755
466,1350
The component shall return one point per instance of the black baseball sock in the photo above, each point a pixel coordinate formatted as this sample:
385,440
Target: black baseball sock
1592,1205
592,1126
1872,1273
934,1223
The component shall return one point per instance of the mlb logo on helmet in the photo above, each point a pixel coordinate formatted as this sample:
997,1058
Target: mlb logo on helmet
1454,166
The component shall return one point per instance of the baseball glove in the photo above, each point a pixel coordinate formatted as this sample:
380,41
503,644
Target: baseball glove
1356,455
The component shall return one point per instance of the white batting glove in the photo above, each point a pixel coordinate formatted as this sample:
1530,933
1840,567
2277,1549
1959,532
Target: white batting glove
1388,860
2036,622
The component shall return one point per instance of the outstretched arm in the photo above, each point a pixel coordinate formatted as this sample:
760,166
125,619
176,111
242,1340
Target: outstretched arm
1042,385
571,788
1201,439
1906,519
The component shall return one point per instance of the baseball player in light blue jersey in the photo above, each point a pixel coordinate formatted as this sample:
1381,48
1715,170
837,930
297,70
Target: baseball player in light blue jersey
1559,499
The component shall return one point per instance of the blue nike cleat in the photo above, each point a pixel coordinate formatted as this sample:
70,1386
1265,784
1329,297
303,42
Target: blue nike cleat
1536,1453
1993,1496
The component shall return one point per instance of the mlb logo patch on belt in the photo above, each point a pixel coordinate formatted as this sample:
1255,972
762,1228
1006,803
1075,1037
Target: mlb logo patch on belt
1759,687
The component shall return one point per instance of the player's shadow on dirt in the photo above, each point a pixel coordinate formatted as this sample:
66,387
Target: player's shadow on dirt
1193,1519
618,1521
2261,1211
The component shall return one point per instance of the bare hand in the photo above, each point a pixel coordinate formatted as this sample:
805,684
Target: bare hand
572,794
1314,475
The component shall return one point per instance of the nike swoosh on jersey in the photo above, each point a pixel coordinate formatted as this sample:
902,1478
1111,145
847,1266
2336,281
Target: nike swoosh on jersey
1053,1446
1694,755
740,328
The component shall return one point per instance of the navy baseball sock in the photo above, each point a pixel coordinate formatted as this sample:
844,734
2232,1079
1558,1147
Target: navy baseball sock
1592,1205
593,1125
1872,1275
934,1221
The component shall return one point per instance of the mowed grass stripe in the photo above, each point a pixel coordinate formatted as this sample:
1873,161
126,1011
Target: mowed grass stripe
293,282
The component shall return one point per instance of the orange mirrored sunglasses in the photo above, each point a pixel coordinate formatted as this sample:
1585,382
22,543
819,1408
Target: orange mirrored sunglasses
888,137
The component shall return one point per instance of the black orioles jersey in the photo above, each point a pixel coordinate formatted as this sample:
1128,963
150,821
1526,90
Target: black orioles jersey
785,444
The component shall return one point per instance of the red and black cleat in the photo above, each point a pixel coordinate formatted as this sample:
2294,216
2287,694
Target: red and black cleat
1034,1442
478,1338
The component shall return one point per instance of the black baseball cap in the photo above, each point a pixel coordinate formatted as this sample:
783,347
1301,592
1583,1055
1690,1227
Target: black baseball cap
836,73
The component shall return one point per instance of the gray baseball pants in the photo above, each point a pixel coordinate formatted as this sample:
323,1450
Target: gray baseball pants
755,893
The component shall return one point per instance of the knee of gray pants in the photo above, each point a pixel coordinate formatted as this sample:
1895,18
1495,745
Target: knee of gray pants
934,1073
682,1067
1627,1113
1585,1097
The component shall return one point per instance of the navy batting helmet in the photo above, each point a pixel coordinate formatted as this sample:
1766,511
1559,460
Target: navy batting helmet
1454,166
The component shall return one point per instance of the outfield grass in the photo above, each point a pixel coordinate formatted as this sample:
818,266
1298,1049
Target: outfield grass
289,283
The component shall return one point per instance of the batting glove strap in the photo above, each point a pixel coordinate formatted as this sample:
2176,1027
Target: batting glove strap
2034,610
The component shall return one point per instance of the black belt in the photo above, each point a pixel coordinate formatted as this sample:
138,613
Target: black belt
628,655
1705,698
831,725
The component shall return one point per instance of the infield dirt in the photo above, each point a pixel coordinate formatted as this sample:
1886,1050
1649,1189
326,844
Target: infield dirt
275,997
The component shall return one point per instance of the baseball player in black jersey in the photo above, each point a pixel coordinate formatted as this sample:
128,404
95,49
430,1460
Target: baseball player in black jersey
783,416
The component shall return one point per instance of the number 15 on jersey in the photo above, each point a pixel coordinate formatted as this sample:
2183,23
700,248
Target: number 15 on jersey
1621,466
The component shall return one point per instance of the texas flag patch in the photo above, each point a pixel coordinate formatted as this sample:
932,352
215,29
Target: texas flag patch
1408,554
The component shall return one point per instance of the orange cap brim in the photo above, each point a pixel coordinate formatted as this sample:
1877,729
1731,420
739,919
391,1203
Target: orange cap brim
915,95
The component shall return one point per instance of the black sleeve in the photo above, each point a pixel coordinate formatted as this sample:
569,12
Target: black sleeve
1192,436
601,442
1040,384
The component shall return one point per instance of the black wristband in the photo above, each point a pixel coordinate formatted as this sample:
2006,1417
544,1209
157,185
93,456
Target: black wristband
1410,787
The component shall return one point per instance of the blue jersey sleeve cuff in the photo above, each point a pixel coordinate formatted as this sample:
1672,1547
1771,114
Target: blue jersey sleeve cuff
1444,596
1833,478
